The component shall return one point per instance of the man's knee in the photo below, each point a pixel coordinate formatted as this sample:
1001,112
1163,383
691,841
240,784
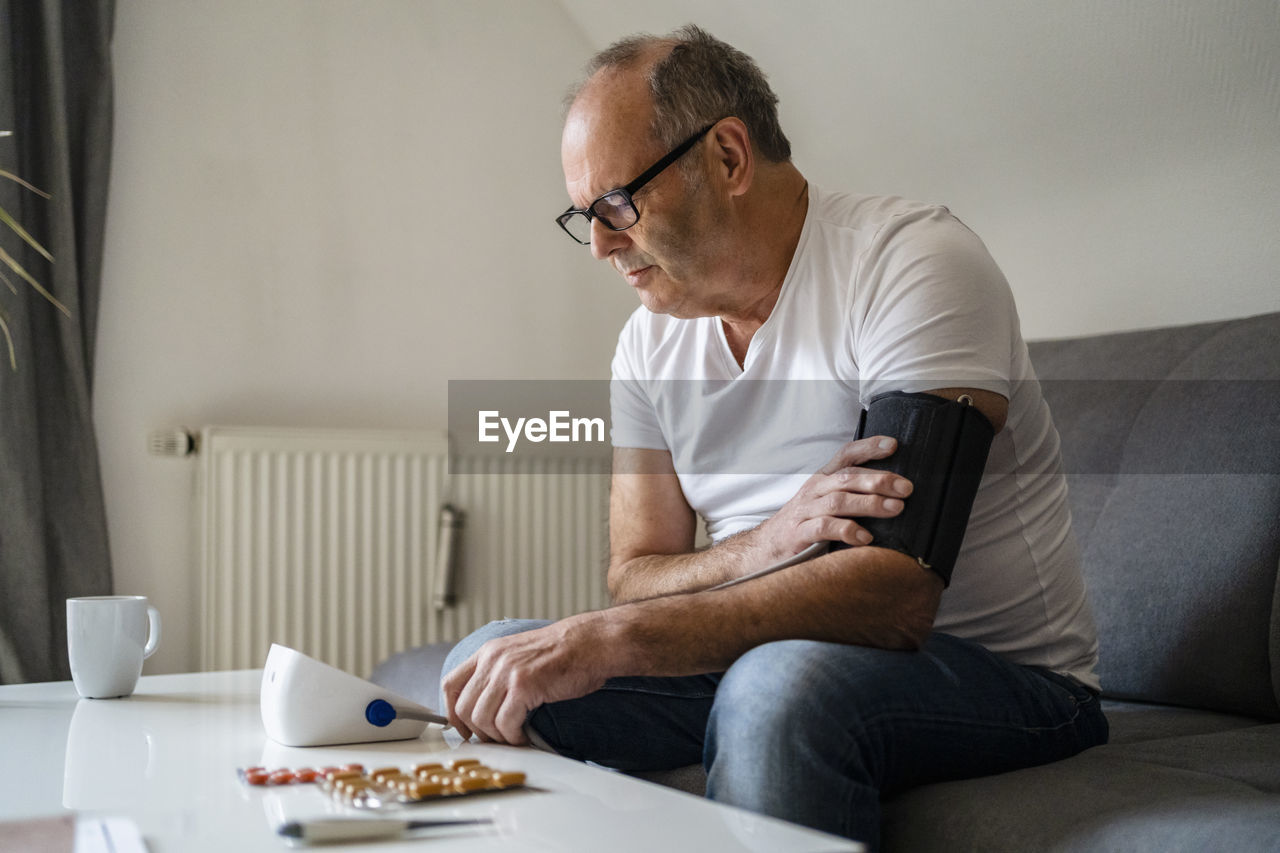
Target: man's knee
783,735
785,708
797,683
757,692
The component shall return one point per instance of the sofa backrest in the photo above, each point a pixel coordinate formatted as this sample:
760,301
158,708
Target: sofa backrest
1171,441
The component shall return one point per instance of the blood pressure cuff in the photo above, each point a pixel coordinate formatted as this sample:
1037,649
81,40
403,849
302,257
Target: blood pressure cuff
942,450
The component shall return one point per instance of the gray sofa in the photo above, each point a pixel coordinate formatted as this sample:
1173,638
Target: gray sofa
1171,439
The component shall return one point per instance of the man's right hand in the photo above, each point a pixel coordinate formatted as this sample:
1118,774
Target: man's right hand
824,508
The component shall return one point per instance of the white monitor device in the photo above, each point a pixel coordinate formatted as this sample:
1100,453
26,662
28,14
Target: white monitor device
309,703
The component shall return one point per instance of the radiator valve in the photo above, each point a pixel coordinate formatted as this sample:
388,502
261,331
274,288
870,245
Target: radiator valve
173,442
452,520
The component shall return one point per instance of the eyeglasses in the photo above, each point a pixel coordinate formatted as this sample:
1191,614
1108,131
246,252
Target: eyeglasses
616,209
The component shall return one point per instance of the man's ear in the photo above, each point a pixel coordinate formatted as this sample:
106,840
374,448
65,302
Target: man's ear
735,158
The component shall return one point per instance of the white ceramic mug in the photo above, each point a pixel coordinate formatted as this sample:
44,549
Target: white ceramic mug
108,638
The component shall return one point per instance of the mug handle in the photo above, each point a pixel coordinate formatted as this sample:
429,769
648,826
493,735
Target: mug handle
153,632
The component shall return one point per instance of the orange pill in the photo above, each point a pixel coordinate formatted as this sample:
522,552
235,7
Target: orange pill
280,777
256,777
357,767
306,774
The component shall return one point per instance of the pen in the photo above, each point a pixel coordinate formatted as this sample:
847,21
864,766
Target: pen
324,830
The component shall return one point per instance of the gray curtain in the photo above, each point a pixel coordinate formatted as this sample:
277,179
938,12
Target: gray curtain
55,95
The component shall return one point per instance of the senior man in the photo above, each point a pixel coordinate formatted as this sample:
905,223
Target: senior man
810,691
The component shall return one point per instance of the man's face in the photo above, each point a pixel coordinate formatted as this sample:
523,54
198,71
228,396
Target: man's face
666,256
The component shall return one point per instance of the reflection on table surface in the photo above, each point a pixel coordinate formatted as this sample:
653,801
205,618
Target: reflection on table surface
168,755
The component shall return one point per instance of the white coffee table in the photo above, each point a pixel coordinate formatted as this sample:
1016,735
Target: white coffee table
166,758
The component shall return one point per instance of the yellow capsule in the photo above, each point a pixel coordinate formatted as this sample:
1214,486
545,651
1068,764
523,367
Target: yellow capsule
431,767
467,784
422,790
508,780
407,785
459,763
350,789
359,783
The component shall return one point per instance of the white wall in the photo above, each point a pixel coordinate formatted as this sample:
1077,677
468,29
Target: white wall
320,212
302,228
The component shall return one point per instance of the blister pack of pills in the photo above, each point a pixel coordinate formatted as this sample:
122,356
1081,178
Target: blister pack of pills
352,785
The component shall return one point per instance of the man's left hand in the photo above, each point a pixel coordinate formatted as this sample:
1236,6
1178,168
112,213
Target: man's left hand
493,691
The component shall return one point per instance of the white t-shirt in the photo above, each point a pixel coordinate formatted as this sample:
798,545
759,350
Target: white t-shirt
882,295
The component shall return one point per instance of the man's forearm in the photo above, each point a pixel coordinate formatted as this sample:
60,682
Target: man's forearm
656,575
651,529
863,596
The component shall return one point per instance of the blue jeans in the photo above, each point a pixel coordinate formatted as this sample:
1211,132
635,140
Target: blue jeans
816,733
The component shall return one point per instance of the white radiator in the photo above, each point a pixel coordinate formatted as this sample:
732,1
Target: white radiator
330,542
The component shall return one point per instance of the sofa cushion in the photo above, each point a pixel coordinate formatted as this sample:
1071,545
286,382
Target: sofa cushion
1134,722
414,673
1218,791
1171,440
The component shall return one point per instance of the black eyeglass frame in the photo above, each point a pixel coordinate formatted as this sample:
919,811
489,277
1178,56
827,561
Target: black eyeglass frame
629,190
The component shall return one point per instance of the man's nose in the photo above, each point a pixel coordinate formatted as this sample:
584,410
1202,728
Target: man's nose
604,240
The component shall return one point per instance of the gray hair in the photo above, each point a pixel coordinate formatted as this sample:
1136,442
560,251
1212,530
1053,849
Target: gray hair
700,81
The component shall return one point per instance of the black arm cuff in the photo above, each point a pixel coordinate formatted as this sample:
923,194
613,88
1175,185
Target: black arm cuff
942,450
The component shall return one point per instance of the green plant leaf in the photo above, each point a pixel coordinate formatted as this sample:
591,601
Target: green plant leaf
4,327
22,232
11,176
17,267
9,261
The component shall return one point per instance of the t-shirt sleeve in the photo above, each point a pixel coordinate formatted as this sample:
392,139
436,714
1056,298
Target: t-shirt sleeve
633,420
931,310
